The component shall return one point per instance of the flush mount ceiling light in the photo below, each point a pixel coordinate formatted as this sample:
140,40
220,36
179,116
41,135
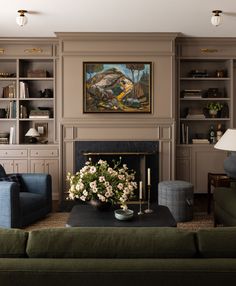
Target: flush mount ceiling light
21,19
216,18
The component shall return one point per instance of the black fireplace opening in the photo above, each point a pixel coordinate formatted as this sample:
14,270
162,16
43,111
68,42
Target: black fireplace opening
137,155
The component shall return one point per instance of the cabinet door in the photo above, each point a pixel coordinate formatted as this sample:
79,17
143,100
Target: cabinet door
8,165
51,167
20,166
37,166
203,162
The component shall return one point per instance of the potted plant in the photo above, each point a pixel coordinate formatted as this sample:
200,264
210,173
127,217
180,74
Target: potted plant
101,183
213,108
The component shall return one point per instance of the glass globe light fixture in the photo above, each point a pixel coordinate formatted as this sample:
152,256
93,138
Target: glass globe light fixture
216,18
21,19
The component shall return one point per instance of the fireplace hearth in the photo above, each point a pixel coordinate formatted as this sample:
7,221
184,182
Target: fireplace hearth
138,155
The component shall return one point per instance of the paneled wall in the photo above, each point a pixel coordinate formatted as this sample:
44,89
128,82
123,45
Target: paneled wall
158,48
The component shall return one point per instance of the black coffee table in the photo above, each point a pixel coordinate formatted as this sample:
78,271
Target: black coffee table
83,215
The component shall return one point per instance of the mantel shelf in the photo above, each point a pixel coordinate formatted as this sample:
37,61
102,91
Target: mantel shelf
117,153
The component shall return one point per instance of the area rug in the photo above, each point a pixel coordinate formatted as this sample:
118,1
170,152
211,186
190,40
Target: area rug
58,219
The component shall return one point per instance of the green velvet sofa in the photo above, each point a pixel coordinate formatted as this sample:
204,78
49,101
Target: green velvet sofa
118,256
225,206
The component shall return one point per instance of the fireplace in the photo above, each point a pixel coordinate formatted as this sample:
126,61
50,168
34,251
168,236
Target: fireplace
138,155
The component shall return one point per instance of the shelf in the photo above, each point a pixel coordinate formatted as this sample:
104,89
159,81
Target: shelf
205,119
36,99
36,78
205,78
7,78
36,119
206,99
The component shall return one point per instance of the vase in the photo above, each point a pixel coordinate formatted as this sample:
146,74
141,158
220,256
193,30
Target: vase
213,113
99,205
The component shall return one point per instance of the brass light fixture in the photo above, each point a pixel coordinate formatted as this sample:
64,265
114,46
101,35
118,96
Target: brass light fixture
21,18
216,18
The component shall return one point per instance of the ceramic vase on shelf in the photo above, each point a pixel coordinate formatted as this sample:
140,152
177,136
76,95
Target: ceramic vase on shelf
213,113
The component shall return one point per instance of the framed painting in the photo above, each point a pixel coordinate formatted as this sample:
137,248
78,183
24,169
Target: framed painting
117,87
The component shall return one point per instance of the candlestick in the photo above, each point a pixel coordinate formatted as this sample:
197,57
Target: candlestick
148,210
140,190
140,207
149,176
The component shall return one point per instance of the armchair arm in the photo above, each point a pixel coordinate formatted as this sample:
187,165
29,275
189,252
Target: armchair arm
9,204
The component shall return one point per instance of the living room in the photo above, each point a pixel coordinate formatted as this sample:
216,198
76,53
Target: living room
58,105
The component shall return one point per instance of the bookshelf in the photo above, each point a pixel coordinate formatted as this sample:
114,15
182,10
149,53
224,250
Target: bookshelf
28,99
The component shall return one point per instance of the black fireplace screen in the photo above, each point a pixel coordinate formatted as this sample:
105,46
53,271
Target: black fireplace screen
138,155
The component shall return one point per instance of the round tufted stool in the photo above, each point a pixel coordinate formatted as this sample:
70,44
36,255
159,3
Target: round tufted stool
178,197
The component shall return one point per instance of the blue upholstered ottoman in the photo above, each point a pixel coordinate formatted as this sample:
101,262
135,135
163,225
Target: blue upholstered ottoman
178,197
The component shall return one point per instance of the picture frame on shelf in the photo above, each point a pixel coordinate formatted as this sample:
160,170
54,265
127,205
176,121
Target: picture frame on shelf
42,128
117,87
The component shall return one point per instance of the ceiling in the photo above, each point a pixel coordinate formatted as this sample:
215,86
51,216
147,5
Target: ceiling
189,17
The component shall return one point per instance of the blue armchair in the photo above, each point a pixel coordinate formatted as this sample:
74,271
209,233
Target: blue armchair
23,204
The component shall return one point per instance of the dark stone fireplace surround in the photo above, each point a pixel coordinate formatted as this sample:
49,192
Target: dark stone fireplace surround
147,151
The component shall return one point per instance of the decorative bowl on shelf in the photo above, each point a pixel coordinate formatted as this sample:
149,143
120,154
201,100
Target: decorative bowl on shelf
121,214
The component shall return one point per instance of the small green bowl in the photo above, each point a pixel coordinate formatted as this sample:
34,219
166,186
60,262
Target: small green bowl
123,214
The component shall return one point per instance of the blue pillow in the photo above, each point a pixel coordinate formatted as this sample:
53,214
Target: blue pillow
2,172
12,178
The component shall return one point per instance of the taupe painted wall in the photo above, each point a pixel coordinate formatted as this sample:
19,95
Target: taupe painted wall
158,48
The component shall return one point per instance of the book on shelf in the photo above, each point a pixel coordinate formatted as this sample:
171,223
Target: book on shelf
12,135
200,141
9,91
24,90
11,110
185,133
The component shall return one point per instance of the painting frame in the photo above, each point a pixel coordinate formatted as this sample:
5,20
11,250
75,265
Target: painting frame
117,87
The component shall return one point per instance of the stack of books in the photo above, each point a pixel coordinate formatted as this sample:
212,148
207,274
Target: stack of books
39,114
195,113
4,140
192,93
200,141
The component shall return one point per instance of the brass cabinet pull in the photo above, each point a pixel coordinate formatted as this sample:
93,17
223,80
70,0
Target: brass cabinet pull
2,51
206,50
33,50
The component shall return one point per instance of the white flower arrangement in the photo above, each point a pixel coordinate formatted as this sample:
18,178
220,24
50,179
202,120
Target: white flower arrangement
101,182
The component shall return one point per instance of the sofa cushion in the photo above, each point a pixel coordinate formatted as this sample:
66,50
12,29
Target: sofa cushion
2,172
109,242
13,243
217,243
12,178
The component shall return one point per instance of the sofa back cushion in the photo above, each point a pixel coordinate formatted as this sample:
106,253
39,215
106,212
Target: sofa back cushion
217,243
109,242
13,243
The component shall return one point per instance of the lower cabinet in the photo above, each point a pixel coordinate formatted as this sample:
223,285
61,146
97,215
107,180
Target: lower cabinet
194,162
14,166
33,159
49,166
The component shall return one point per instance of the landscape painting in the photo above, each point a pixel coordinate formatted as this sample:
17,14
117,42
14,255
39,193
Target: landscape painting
117,87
